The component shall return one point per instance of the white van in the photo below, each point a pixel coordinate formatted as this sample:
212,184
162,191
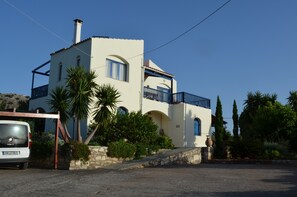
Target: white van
15,143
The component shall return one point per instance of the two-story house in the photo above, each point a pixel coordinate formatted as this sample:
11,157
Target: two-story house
144,86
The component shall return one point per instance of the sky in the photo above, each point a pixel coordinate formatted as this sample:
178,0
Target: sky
247,46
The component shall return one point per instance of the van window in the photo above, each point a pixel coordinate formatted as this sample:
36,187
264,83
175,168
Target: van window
12,135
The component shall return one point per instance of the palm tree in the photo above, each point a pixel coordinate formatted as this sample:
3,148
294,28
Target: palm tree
292,100
59,102
81,86
105,107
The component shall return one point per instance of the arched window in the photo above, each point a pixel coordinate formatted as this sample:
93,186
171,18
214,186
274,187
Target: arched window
116,70
197,127
122,111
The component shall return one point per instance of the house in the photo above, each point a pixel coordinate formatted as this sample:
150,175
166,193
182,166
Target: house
143,85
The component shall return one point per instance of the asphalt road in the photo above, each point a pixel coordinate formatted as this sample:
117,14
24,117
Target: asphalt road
200,180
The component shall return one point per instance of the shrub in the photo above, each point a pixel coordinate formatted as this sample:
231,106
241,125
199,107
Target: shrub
121,149
165,142
41,150
42,145
141,150
246,149
273,150
79,151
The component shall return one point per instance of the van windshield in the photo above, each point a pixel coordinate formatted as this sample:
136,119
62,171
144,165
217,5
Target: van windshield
13,135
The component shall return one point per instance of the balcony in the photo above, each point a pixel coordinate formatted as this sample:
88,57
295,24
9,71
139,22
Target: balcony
39,92
181,97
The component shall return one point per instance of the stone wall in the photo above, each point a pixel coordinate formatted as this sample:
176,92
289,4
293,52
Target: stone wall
98,159
177,156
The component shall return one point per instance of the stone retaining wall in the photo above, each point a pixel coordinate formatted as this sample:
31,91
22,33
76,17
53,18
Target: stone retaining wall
98,159
180,156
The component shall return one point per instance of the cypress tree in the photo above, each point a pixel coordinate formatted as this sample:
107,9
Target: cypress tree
219,131
235,120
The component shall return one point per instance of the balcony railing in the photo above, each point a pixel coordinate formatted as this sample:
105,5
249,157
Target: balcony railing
39,92
190,99
181,97
157,95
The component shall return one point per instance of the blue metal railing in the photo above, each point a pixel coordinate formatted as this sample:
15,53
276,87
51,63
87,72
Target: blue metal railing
157,95
190,99
181,97
39,92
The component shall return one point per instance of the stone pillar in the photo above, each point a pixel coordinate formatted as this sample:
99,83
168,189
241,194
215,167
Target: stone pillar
207,153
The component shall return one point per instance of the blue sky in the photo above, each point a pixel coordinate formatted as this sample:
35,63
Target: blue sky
247,46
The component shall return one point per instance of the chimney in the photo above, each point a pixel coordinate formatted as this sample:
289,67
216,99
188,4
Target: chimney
77,30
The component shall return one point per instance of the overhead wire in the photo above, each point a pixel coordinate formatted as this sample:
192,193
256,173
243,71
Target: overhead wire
145,52
185,32
42,26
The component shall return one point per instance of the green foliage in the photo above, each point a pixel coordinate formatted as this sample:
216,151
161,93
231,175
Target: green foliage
134,127
105,106
273,122
78,151
219,149
121,149
2,105
246,149
165,142
265,119
293,141
81,87
42,145
272,151
252,104
292,100
59,102
141,150
235,120
138,129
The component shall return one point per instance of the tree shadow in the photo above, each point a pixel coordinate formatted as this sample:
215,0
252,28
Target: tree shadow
277,179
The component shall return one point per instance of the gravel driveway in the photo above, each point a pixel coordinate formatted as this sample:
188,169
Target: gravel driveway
199,180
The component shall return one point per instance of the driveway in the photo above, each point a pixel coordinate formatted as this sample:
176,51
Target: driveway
200,180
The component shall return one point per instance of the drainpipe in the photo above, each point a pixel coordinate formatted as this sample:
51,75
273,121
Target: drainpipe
141,85
185,115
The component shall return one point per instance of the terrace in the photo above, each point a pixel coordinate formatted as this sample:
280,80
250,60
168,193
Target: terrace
180,97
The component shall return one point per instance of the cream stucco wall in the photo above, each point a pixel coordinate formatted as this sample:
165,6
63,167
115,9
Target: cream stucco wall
182,125
116,49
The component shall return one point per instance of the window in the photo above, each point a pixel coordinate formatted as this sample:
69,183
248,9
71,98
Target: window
197,127
122,111
116,70
60,71
78,60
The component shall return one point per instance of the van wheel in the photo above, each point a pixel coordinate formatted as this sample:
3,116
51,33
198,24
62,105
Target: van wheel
23,166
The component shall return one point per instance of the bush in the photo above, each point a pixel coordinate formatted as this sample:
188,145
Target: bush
42,145
246,149
165,142
121,149
141,150
273,150
79,151
41,150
